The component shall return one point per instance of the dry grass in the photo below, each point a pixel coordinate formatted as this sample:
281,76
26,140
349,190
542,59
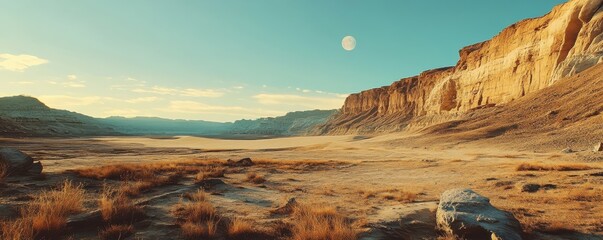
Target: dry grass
198,196
145,171
255,178
210,172
116,232
117,208
391,194
321,223
586,193
3,171
45,217
198,218
552,167
239,229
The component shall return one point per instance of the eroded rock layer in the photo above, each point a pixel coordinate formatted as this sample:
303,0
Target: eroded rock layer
524,58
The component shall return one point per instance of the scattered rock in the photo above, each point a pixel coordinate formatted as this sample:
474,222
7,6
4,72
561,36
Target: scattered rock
462,212
549,186
530,187
287,209
567,150
18,162
245,162
598,147
210,183
491,179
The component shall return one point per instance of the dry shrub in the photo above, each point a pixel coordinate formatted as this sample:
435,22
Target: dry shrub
210,172
321,223
255,178
198,218
391,194
116,232
551,167
239,229
45,217
203,230
198,196
117,208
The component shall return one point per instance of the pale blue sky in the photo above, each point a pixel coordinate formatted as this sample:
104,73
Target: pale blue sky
231,59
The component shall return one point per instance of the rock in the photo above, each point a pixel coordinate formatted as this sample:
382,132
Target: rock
210,183
7,212
567,150
462,212
287,209
245,162
530,187
36,168
598,147
498,71
17,161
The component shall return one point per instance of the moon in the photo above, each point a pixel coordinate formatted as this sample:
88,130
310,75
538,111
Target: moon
348,43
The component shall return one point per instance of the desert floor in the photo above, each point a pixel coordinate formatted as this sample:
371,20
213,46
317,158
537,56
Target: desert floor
389,187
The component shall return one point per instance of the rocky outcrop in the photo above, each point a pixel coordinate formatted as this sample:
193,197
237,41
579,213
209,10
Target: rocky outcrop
466,214
524,58
18,162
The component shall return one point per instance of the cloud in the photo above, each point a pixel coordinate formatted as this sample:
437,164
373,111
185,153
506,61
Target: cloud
23,83
122,112
66,102
142,100
71,77
18,63
202,108
187,92
301,101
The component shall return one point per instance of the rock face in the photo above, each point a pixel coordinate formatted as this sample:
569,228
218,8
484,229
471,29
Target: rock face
293,123
525,57
466,214
17,161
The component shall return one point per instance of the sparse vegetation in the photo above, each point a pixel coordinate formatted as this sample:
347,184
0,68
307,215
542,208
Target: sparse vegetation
3,171
210,172
551,167
45,217
255,178
391,194
198,218
117,208
321,223
116,232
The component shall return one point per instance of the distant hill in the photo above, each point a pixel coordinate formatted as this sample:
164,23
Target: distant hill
27,116
162,126
293,123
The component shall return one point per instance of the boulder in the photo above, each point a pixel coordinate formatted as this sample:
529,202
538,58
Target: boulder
18,162
530,187
466,214
567,150
245,162
36,168
598,147
287,209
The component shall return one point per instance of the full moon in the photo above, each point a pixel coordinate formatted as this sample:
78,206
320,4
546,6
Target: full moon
348,43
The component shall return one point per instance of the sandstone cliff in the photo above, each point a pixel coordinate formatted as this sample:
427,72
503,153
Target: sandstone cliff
524,58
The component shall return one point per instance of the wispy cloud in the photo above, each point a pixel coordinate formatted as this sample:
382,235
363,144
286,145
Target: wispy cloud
202,108
67,102
186,92
73,82
23,83
72,77
123,112
308,102
142,100
18,63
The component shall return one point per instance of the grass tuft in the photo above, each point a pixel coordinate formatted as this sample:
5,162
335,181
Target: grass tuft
551,167
321,223
255,178
116,232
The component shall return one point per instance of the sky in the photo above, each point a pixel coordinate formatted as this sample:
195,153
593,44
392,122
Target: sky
223,60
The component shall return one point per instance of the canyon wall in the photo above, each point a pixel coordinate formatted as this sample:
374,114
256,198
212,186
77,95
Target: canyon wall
524,58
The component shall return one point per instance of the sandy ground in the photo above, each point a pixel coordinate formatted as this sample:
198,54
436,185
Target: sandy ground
364,164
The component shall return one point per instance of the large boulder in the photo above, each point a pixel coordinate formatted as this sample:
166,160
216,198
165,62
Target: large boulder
466,214
598,147
17,161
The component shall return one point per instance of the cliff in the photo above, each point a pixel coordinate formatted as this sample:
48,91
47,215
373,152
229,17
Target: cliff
524,58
